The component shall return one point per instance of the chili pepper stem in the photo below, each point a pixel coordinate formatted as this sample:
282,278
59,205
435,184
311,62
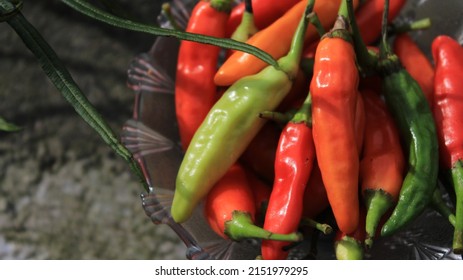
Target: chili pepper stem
457,177
247,26
221,5
241,227
290,63
367,60
276,116
348,249
324,228
377,203
412,26
438,204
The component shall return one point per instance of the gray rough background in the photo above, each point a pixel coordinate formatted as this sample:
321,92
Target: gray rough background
63,193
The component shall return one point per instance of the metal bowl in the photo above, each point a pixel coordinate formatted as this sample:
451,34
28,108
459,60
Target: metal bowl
152,136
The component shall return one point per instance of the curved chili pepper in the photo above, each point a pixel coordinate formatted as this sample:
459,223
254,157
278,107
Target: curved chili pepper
293,165
231,125
195,91
382,163
413,117
368,18
416,63
230,209
448,114
242,64
350,246
264,12
334,92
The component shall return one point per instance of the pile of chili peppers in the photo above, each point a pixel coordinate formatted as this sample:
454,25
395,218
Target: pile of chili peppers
349,134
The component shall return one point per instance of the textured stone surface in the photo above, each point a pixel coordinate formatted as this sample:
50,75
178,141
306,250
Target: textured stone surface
63,193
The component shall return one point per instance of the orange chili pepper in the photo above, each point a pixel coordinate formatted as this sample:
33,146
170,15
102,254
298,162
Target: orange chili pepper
382,164
334,88
275,40
416,63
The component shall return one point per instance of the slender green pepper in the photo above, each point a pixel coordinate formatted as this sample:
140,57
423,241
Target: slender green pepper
409,108
231,124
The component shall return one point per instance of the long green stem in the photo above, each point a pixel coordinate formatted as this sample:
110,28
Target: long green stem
95,13
457,178
61,78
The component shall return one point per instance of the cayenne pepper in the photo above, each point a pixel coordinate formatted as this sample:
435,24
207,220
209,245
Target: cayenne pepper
195,91
293,165
334,97
414,119
448,115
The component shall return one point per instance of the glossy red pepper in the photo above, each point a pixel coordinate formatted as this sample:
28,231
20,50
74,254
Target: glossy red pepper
334,89
382,164
416,63
264,12
448,115
195,91
368,17
230,209
293,165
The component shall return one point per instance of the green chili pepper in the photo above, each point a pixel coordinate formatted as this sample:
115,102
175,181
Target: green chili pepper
231,124
414,118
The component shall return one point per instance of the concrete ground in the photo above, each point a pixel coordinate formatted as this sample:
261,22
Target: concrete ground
63,193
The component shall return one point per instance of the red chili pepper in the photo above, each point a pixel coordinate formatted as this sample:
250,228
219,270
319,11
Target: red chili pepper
382,165
334,90
448,115
230,209
293,165
195,91
265,13
416,63
369,17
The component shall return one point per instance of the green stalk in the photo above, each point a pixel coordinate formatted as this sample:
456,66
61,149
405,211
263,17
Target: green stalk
63,81
247,26
241,227
457,177
438,204
377,203
290,62
348,249
95,13
324,228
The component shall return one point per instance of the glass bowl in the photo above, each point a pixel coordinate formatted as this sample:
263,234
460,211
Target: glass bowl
152,136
